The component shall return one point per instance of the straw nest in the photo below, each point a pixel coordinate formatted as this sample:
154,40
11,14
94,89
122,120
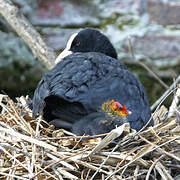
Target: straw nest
32,149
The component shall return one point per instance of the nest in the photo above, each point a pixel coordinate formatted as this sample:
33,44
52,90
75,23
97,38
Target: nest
32,149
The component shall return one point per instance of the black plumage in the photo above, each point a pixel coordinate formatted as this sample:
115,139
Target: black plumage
81,82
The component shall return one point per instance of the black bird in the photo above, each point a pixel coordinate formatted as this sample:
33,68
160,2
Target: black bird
111,115
87,77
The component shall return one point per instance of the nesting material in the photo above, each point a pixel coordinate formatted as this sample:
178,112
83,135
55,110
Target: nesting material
30,148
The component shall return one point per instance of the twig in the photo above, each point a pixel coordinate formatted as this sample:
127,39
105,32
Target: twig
104,161
27,138
13,176
166,93
45,171
162,171
136,172
141,155
75,137
168,73
174,104
144,66
160,149
154,163
13,157
110,137
26,31
152,166
64,163
155,111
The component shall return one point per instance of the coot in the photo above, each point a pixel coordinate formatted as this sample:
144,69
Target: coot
111,115
87,75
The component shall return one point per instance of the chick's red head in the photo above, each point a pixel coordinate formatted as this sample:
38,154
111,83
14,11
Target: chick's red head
114,108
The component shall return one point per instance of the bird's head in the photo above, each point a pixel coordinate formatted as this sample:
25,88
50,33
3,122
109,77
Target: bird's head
88,40
114,109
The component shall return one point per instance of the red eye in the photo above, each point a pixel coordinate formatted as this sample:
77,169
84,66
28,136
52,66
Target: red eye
78,43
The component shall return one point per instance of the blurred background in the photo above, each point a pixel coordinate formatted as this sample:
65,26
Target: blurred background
153,27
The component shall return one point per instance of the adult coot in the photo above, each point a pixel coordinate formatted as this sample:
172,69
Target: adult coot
87,77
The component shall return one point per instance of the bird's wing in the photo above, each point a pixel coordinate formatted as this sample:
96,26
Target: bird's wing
74,77
67,85
122,86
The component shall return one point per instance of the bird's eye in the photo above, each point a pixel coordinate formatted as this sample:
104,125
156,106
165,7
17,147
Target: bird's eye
78,43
